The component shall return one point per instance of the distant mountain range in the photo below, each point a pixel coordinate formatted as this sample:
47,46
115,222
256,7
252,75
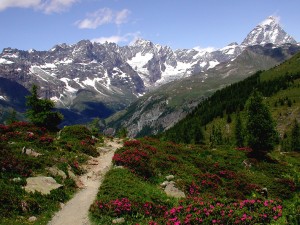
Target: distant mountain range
96,80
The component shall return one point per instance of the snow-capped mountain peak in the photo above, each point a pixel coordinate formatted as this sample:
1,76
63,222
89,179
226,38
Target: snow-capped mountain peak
268,31
271,20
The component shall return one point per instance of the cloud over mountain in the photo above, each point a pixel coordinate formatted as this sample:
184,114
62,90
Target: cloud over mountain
103,16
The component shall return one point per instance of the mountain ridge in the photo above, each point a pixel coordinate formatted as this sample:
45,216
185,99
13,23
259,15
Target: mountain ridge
76,76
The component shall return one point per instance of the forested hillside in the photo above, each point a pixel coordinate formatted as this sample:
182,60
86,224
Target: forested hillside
279,85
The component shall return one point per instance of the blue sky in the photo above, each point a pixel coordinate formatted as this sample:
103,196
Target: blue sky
40,24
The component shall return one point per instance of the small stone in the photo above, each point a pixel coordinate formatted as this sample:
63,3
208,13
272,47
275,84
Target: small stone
17,179
61,205
32,219
119,167
118,220
30,152
170,177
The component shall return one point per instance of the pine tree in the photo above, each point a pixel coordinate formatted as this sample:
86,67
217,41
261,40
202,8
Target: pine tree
198,134
239,132
216,136
40,111
260,126
295,142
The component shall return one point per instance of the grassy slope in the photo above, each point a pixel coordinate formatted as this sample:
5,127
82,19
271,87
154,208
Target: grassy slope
67,152
226,181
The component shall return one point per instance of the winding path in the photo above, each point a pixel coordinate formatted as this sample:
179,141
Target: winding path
76,211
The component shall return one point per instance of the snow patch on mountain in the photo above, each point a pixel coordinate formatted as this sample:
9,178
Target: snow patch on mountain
68,88
3,98
139,61
5,61
268,31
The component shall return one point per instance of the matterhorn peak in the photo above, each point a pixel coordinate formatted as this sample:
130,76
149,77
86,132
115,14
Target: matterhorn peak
270,21
268,31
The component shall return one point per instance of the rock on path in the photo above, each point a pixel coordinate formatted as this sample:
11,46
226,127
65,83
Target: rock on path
76,211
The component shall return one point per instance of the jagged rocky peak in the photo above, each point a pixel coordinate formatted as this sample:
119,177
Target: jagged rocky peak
142,42
268,31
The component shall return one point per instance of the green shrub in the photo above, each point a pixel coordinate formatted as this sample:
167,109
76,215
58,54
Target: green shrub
78,138
78,132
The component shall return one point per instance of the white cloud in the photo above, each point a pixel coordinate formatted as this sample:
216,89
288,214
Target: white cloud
47,6
121,17
55,6
129,37
96,19
103,16
4,4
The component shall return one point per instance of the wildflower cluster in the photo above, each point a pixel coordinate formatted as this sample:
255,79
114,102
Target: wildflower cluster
46,139
136,157
200,211
21,131
123,207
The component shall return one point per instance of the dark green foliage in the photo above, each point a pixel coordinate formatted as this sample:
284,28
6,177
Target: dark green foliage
12,117
79,132
95,126
261,133
187,133
295,142
78,138
229,120
122,132
40,111
216,137
239,132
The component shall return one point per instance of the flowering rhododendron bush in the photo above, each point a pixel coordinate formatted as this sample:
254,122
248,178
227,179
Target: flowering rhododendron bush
137,157
196,211
219,188
216,211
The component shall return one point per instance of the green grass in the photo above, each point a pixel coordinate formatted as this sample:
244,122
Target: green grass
191,164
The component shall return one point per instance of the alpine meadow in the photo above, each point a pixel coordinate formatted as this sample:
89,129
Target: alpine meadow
98,132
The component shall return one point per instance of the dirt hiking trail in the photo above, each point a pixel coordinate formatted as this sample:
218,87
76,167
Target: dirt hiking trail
75,211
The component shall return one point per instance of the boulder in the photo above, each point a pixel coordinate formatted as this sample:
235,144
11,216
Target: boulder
54,171
173,191
41,184
32,219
